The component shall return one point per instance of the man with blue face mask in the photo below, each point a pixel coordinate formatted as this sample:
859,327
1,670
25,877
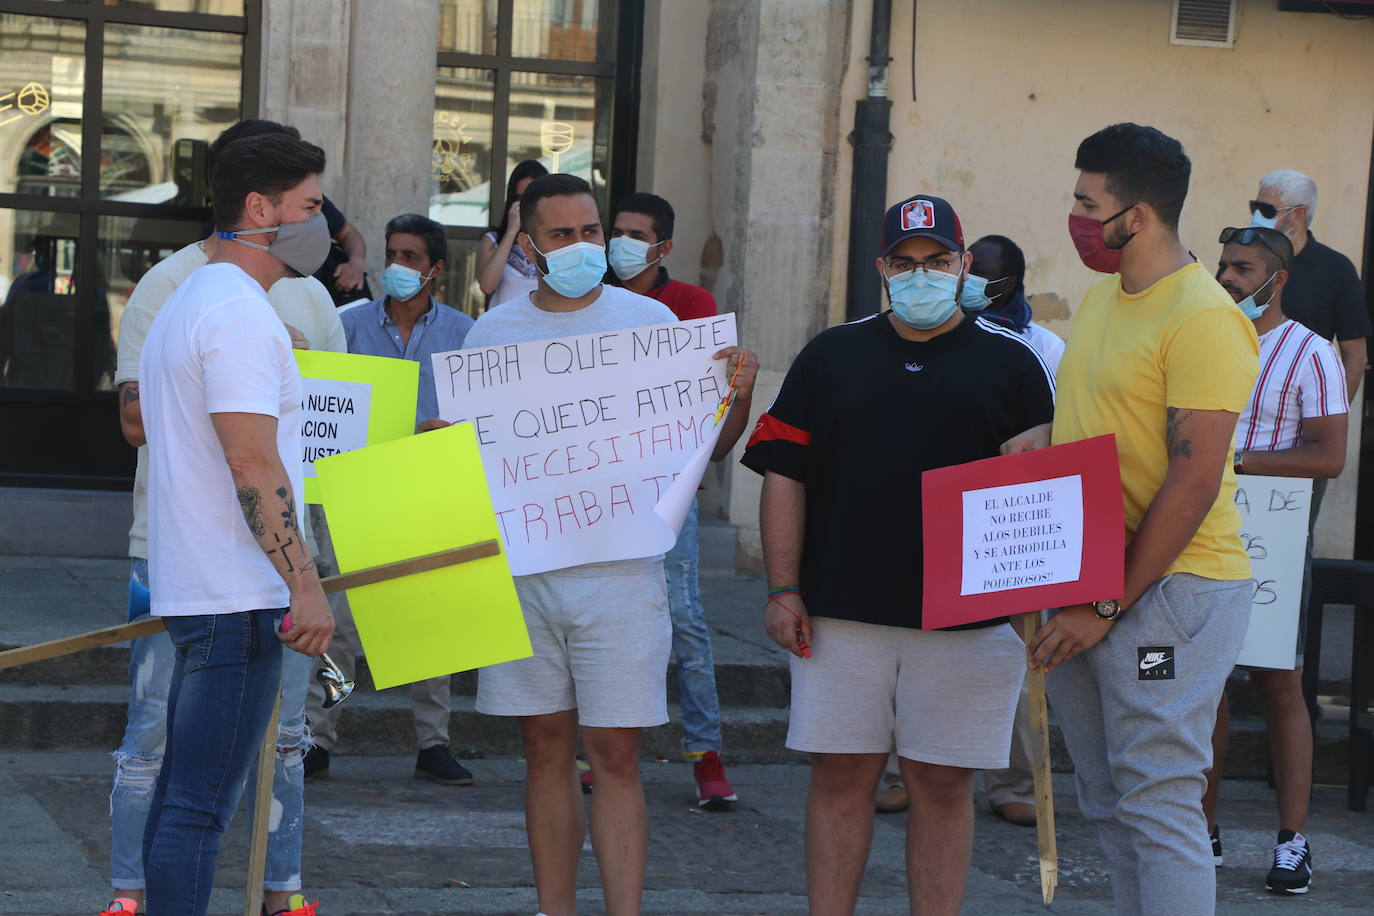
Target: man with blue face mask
407,322
866,408
1294,426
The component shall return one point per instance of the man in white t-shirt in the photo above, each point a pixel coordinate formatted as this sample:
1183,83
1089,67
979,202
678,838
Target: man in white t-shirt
308,312
226,555
601,632
1295,425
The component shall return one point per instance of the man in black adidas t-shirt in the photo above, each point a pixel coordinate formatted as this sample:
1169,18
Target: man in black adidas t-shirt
864,410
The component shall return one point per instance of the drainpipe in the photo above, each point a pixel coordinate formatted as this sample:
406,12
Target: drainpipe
872,141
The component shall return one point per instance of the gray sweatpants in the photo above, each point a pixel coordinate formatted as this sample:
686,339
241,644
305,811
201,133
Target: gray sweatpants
1137,712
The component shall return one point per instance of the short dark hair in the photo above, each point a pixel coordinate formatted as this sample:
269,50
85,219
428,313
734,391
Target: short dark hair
432,233
1142,165
269,164
559,184
253,127
652,206
1274,248
1009,255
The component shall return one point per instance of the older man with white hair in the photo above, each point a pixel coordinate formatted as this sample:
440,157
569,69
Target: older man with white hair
1323,291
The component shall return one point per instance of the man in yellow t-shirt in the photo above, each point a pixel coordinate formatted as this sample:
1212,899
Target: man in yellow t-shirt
1161,356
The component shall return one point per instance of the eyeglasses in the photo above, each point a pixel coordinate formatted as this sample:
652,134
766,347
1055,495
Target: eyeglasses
1269,211
1249,235
941,263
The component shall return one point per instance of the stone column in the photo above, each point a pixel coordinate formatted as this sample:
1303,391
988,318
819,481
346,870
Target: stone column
773,119
389,116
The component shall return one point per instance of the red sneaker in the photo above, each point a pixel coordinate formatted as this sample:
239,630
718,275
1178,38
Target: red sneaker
586,779
121,906
713,789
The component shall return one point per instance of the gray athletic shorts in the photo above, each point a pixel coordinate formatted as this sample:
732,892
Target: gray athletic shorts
601,636
942,697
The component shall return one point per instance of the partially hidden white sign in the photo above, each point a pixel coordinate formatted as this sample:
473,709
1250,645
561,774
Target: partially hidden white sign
1273,530
1021,535
334,417
593,446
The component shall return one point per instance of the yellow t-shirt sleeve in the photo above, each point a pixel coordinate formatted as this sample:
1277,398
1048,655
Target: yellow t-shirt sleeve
1211,361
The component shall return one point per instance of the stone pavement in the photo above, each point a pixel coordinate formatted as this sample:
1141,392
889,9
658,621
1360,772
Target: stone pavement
379,841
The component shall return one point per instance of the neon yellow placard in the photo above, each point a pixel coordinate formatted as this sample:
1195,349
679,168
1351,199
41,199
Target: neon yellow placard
408,498
349,401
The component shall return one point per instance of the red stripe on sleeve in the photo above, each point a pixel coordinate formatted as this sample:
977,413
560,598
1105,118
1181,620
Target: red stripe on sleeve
770,428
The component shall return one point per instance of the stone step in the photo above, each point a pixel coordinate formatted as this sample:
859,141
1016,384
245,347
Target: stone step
92,717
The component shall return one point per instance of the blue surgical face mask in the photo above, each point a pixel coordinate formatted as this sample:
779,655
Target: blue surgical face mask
630,257
923,299
974,296
1248,305
1263,222
574,270
401,282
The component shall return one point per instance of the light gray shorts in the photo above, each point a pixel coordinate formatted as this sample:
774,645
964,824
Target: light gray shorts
601,636
942,697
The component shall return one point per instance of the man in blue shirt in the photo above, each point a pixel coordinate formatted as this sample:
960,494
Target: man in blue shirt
405,323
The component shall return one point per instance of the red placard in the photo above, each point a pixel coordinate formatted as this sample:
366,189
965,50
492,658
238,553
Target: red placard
1018,552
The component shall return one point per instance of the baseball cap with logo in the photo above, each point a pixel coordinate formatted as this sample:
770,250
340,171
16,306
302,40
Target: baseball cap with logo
925,217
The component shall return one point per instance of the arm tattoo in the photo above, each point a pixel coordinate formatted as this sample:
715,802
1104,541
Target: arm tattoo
289,513
128,393
1177,447
250,501
286,557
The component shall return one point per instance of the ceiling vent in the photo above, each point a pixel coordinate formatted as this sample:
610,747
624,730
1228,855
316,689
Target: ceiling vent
1208,23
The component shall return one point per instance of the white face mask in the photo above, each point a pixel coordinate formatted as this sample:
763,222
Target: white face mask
630,257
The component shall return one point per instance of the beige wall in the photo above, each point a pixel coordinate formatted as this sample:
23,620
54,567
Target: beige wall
1000,110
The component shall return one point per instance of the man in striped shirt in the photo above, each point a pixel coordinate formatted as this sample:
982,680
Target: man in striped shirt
1293,426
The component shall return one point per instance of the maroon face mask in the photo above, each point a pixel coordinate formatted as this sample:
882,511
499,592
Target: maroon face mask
1086,233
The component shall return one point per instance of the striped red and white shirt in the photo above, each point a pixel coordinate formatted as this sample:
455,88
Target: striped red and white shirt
1300,376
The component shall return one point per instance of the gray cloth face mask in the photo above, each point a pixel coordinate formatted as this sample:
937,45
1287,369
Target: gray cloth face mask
301,246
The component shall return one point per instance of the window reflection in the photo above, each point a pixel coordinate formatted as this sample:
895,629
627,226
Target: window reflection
42,78
563,29
459,281
212,7
461,194
38,299
167,94
564,122
467,26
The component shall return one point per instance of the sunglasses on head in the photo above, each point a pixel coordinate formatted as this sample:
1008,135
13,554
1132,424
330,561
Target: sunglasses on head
1249,235
1268,211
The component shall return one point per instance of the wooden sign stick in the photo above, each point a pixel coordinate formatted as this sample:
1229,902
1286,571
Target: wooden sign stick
262,813
1040,762
94,639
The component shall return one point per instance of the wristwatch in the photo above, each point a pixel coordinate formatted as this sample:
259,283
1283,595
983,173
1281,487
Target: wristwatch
1237,463
1108,609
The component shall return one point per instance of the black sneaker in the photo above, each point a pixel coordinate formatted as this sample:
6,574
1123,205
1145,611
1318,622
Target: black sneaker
316,764
1292,871
437,763
1216,845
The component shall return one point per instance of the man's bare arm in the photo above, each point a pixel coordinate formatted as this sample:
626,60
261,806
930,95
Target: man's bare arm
131,414
1199,446
782,518
738,418
1322,453
269,510
1355,357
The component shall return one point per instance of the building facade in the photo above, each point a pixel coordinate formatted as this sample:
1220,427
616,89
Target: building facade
740,112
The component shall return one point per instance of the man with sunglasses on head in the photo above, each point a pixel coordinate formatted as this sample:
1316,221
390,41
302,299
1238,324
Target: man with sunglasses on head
1323,291
1161,357
1294,426
866,408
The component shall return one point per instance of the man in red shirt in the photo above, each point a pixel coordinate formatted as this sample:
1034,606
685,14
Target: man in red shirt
645,224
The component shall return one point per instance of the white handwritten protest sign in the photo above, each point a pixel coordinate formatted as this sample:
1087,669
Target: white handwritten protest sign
1023,534
593,446
334,418
1273,530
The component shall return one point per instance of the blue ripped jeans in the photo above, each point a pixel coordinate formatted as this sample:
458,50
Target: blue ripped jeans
696,671
139,757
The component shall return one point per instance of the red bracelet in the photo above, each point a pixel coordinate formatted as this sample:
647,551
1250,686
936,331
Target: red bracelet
802,644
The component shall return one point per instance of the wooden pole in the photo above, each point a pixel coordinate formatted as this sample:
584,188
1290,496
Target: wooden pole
373,574
262,815
1040,763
